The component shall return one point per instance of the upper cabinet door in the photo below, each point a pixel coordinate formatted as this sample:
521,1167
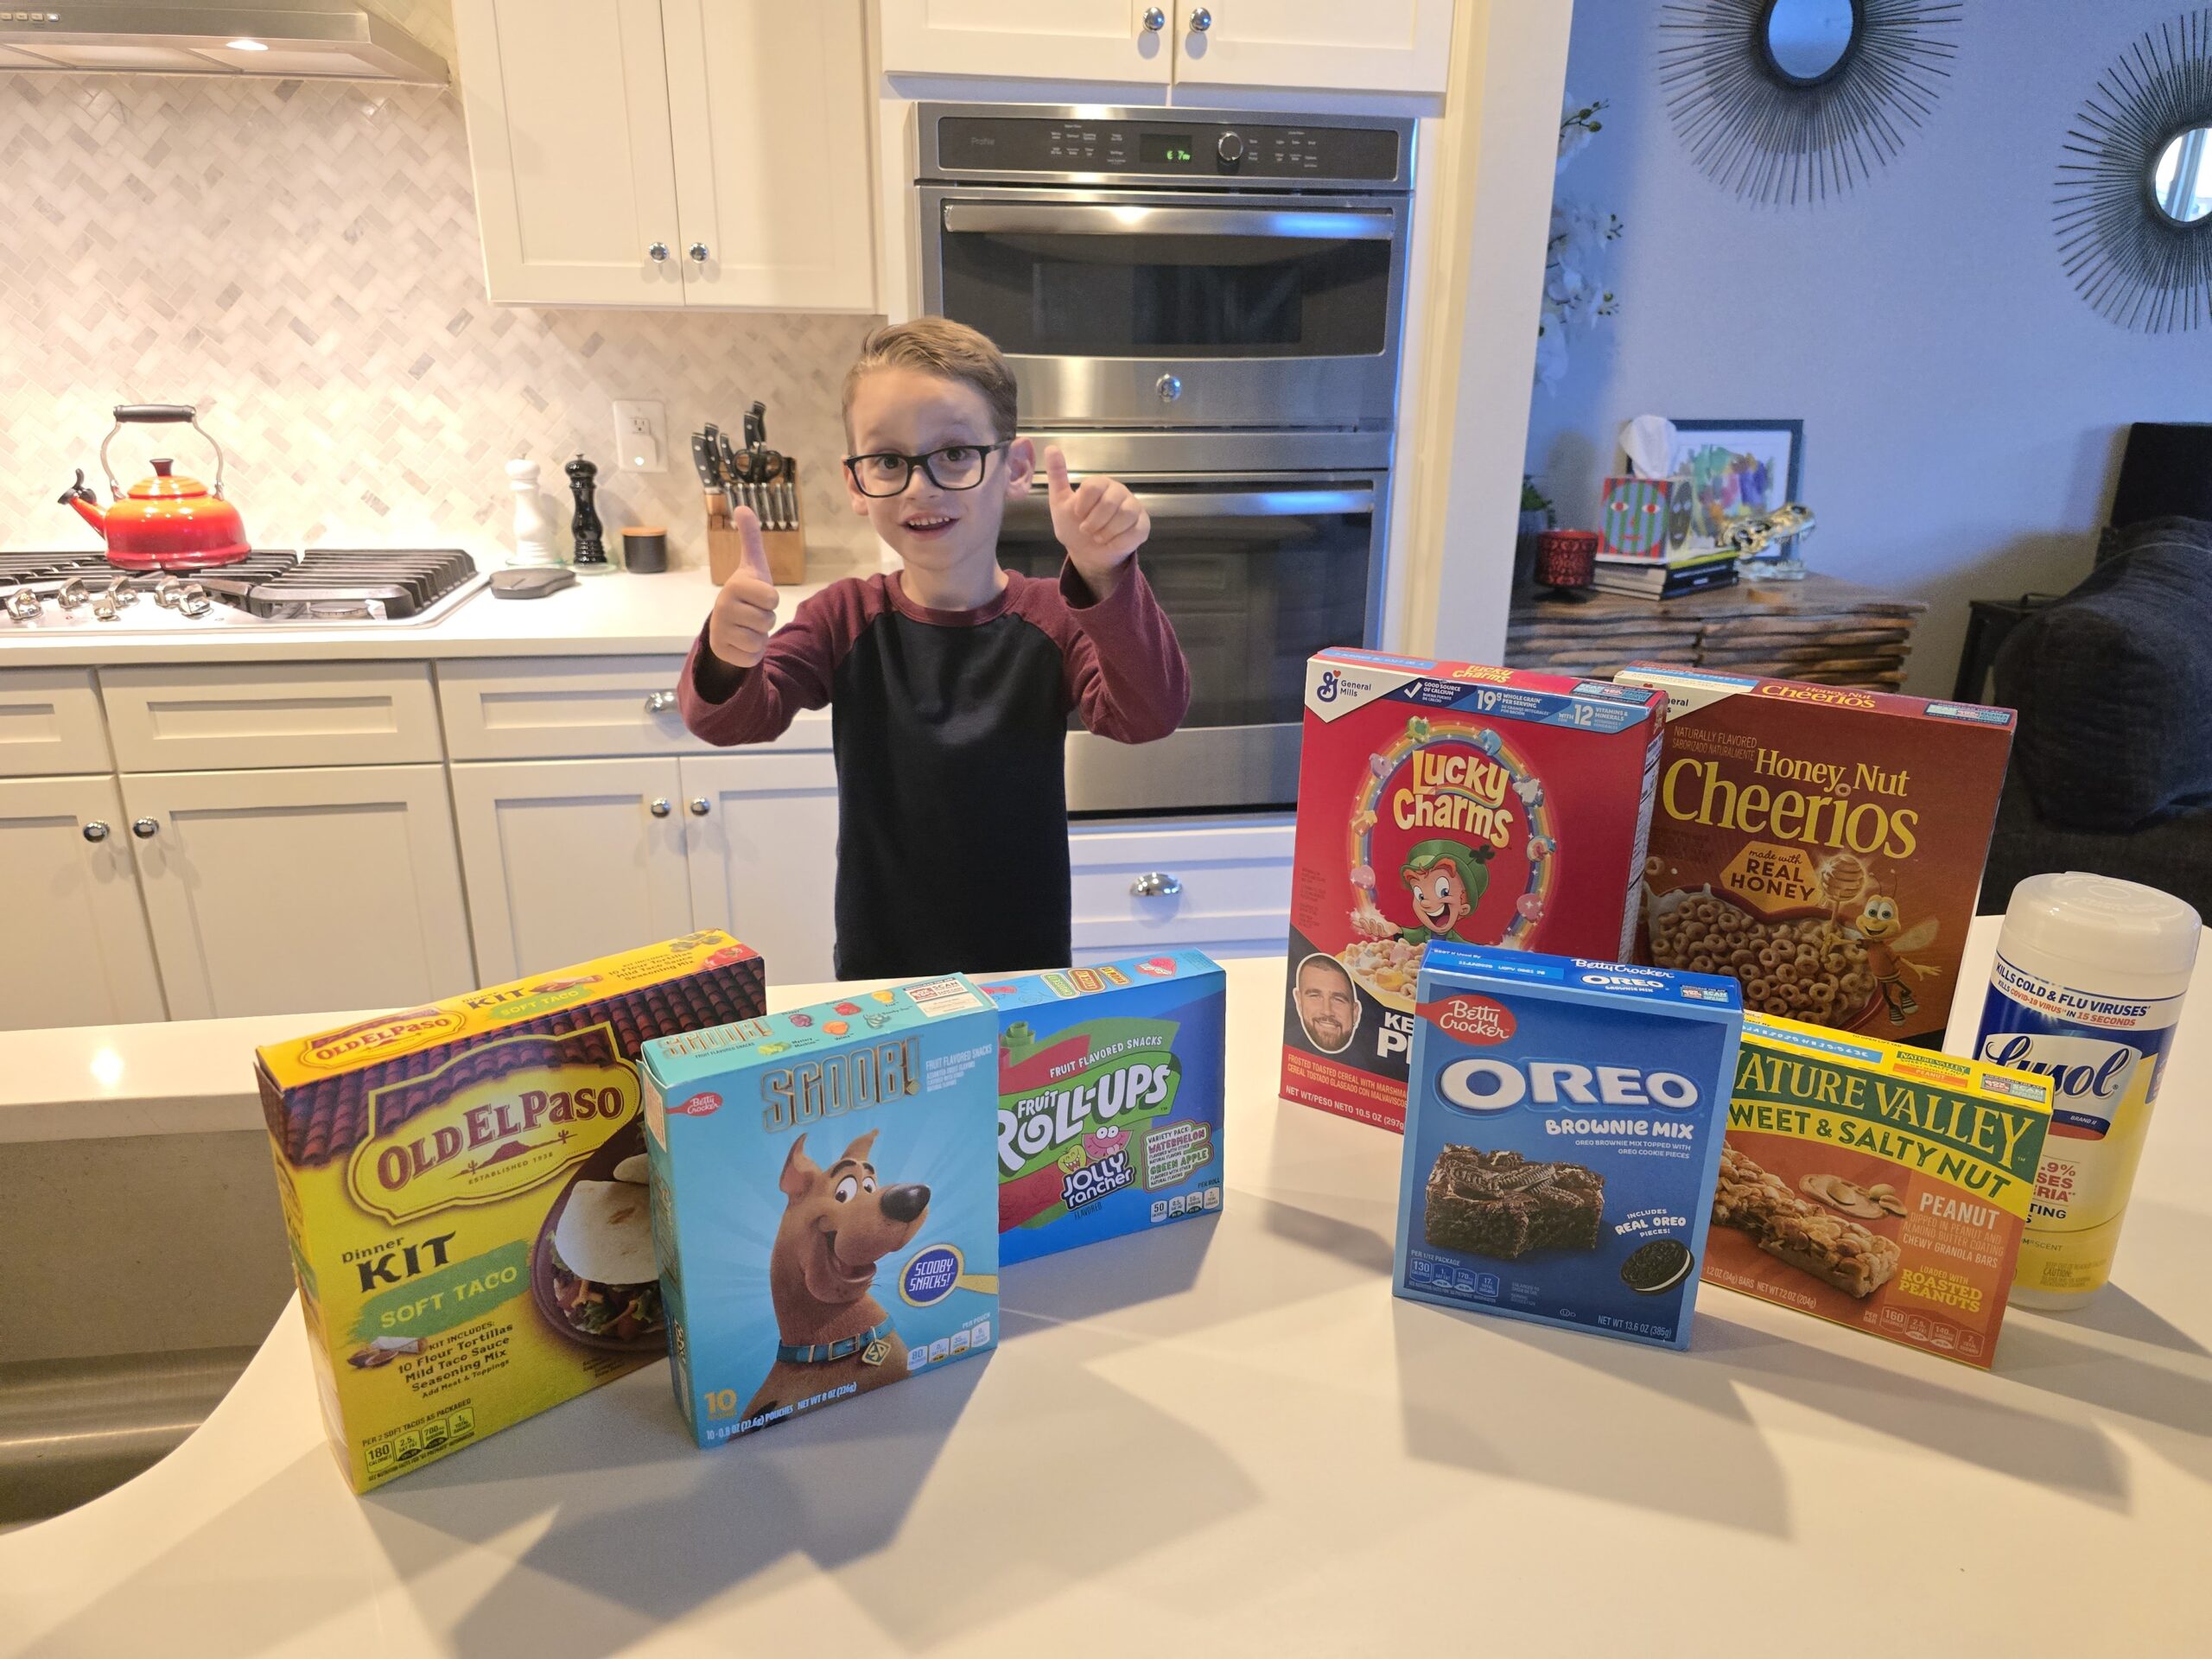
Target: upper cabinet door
1378,45
569,137
769,106
1040,40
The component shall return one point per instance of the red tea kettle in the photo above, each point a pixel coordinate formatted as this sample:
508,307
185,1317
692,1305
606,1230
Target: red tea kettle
164,523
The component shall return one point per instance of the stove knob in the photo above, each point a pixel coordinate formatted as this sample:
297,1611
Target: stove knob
144,829
96,830
1230,148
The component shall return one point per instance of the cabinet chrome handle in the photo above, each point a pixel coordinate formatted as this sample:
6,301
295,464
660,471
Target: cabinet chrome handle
698,806
698,253
659,702
660,808
96,830
1154,20
1155,884
657,252
144,829
1201,20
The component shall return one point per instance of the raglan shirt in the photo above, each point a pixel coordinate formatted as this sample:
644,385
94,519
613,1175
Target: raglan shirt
950,729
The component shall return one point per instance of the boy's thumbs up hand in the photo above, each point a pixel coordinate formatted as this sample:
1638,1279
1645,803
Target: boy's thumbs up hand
745,610
1098,521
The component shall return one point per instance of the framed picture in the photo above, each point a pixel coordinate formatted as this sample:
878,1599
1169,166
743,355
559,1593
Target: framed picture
1738,470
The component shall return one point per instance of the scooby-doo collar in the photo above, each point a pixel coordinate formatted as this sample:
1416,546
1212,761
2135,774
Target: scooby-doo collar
873,1345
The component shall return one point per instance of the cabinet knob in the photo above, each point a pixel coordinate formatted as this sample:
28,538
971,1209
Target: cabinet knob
659,702
699,806
1155,884
1154,20
657,252
96,830
144,829
660,808
698,253
1201,20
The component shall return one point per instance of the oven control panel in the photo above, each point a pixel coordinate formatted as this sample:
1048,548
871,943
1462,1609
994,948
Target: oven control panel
1162,147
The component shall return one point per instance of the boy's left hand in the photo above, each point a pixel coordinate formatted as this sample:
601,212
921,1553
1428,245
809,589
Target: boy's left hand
1098,522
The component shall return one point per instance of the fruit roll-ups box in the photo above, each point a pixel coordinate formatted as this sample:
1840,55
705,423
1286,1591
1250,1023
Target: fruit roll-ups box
464,1189
1563,1133
1821,845
1441,801
1110,1117
824,1203
1878,1186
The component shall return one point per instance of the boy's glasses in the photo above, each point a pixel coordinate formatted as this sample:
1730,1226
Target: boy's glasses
955,466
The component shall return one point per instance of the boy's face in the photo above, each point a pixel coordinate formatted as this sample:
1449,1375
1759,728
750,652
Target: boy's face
909,412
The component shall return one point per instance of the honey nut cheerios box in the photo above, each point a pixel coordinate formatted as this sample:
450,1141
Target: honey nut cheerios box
465,1191
1451,801
1876,1185
1821,844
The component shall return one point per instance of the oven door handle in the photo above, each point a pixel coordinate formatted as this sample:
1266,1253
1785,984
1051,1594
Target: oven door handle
1220,503
1310,224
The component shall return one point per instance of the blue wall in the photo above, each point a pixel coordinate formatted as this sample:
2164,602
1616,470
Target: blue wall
1964,409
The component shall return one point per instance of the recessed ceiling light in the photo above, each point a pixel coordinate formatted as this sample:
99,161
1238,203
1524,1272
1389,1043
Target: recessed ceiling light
243,45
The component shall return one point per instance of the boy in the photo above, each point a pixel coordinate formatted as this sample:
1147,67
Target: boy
949,682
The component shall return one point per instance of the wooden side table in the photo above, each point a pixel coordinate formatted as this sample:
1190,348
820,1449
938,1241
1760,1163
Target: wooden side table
1822,629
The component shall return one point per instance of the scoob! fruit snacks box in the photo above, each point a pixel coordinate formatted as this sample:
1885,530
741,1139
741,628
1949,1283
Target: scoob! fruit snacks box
464,1187
1448,801
1877,1186
1821,845
1562,1136
1109,1100
825,1204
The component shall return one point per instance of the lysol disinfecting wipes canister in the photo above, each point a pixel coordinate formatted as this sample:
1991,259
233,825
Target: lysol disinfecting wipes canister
2087,989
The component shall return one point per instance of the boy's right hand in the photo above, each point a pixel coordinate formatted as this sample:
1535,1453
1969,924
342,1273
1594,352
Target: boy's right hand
745,610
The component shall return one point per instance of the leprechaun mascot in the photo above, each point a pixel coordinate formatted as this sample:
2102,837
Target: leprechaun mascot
1446,880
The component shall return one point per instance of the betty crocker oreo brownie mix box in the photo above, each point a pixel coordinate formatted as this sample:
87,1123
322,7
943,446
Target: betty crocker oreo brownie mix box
1450,802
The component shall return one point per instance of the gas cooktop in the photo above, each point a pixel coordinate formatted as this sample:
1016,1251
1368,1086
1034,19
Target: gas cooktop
319,587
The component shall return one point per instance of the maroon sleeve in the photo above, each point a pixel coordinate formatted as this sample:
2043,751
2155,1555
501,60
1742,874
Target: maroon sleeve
1123,670
726,705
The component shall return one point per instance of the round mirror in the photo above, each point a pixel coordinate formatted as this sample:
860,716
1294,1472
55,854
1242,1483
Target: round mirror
2181,183
1807,41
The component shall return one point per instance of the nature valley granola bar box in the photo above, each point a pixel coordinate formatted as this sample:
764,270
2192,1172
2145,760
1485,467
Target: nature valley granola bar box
464,1189
1876,1185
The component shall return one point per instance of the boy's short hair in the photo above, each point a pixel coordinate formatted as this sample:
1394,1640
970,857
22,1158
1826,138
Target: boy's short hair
941,347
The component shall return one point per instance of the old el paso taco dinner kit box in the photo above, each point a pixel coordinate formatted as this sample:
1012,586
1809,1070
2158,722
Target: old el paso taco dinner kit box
1876,1185
1448,801
1562,1135
1821,845
464,1188
1109,1100
824,1203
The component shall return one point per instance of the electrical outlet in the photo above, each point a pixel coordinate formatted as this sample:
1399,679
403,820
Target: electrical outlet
640,437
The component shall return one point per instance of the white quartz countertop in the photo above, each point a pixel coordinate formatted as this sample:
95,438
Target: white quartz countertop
612,615
1229,1435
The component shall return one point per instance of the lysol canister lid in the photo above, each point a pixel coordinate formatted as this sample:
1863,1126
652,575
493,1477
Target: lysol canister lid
2103,923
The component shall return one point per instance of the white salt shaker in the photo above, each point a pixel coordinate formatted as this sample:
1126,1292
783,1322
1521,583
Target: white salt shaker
533,523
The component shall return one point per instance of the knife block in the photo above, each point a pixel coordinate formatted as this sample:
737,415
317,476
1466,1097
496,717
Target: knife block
786,549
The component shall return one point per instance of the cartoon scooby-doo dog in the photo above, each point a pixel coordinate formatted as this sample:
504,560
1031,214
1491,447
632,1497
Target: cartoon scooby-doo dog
837,1224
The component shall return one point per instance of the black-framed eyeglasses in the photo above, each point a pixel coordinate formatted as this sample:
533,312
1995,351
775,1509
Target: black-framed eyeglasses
955,466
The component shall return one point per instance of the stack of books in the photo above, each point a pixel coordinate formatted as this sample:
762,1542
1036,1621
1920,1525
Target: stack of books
1693,570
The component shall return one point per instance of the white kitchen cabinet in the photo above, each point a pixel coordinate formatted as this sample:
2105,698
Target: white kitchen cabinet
1378,45
760,831
50,724
77,952
549,708
1043,40
228,716
569,860
300,890
670,152
1221,886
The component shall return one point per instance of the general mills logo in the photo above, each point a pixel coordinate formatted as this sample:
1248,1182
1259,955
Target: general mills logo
1328,691
1334,685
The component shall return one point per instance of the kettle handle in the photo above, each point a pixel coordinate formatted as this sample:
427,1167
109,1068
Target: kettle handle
153,414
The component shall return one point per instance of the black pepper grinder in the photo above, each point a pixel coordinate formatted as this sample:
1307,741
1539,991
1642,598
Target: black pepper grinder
590,535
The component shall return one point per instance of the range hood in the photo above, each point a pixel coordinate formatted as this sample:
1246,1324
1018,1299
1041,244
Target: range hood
293,39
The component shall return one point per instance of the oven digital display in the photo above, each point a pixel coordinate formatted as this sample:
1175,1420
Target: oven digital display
1158,147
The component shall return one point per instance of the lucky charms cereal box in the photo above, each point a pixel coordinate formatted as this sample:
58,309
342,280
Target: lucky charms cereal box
1448,801
464,1188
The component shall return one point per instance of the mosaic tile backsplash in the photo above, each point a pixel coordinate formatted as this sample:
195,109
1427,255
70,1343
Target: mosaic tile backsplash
301,259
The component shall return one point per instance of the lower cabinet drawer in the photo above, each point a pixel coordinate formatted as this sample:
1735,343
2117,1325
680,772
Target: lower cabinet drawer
578,708
1222,885
224,716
